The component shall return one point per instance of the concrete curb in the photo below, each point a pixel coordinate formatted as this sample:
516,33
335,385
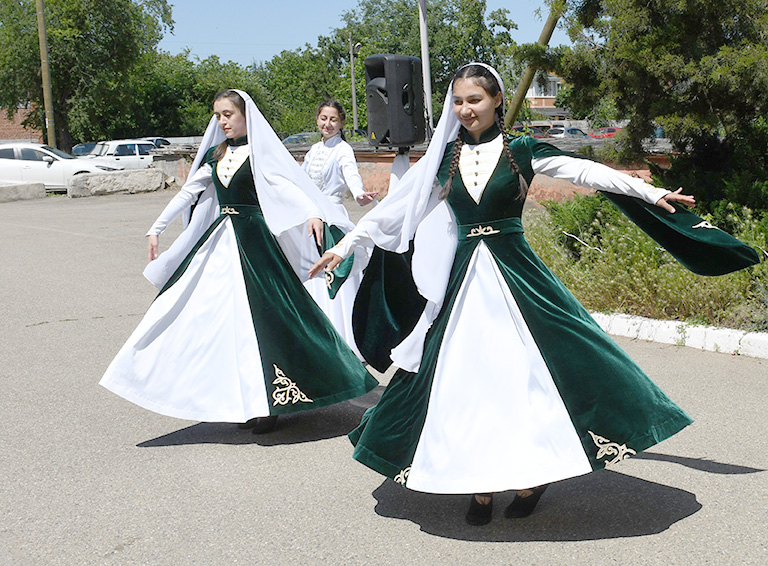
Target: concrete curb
130,181
21,191
710,338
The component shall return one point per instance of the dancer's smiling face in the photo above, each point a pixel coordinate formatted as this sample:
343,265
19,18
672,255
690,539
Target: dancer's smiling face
230,119
329,122
474,107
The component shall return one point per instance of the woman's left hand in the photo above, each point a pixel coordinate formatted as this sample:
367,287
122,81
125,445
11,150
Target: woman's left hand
677,195
315,227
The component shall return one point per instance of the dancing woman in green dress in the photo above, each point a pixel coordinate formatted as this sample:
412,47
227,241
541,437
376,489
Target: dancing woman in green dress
506,382
233,335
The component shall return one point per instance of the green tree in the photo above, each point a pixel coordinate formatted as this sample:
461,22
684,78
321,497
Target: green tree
93,47
459,32
698,68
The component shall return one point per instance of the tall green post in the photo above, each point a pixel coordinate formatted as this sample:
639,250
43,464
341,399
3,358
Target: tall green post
530,72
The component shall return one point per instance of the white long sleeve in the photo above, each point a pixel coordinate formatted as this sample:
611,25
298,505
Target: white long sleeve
349,170
184,199
360,237
586,173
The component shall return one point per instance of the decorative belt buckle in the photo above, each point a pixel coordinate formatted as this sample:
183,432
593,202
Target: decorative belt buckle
481,230
229,210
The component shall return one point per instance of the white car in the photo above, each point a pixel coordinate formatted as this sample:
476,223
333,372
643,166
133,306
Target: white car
159,142
129,154
557,132
37,163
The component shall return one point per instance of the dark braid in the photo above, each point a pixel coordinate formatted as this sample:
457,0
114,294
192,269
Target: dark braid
485,79
453,166
508,151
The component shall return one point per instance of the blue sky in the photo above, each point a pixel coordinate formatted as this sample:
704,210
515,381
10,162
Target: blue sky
255,30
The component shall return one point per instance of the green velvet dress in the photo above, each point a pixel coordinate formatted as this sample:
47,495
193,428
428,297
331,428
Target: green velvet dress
518,385
233,334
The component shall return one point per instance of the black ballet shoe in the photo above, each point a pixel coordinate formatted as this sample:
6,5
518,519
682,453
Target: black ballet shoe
264,424
524,506
479,514
250,423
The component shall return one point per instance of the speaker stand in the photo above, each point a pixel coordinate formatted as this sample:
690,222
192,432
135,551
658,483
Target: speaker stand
400,165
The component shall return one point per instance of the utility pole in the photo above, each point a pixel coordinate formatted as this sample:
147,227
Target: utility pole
45,71
530,72
353,49
425,71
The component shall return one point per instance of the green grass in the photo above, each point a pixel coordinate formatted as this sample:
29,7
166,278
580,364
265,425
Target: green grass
616,268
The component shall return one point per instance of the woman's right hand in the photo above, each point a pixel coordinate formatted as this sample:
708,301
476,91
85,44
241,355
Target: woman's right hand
152,244
328,261
366,198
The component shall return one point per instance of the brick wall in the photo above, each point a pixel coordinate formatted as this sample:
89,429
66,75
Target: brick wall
13,130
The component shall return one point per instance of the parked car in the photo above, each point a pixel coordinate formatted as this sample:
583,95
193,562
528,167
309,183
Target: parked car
605,133
83,149
302,137
38,163
530,131
361,132
159,142
129,154
566,133
556,132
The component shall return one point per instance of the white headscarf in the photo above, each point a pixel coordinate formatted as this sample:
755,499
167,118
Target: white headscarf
287,196
429,222
415,199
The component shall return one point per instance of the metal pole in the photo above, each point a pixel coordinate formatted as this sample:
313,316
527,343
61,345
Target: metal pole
46,73
425,71
530,72
352,52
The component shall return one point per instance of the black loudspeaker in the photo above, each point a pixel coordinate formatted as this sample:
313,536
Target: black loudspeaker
395,97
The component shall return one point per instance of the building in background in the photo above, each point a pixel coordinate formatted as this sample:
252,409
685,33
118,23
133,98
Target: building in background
542,100
12,130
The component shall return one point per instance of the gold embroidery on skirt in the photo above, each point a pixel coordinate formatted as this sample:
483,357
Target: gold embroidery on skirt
287,391
329,277
607,448
403,476
705,224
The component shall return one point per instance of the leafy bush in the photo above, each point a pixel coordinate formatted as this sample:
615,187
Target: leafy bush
722,172
615,267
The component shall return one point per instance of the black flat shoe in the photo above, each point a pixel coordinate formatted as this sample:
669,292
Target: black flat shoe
264,424
524,506
479,514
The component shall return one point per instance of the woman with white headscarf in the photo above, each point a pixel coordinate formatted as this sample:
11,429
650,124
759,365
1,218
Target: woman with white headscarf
506,382
233,336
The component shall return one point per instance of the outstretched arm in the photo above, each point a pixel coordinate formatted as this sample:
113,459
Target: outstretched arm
352,177
677,195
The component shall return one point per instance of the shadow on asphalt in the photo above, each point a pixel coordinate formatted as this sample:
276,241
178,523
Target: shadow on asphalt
601,505
699,464
306,426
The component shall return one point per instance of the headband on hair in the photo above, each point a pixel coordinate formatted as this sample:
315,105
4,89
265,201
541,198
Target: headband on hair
493,71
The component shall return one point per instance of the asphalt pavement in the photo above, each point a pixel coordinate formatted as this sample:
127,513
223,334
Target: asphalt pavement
88,478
